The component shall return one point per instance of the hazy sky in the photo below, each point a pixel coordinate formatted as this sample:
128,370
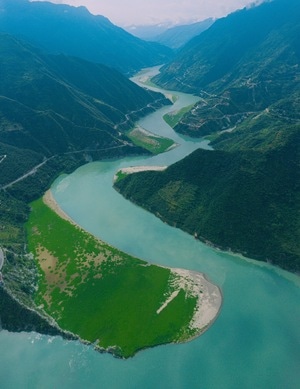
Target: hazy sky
140,12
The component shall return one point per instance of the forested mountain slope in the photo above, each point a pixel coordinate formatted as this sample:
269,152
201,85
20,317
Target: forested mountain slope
246,201
245,195
60,28
57,104
240,66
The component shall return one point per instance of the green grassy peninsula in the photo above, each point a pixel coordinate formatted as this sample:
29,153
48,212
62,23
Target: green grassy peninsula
116,302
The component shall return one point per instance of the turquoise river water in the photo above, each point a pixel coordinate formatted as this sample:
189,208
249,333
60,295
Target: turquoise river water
254,343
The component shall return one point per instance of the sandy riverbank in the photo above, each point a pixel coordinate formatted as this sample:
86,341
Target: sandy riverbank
209,297
136,169
50,201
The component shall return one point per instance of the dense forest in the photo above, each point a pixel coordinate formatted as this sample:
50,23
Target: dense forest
244,201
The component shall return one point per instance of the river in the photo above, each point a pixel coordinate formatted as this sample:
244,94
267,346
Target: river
254,343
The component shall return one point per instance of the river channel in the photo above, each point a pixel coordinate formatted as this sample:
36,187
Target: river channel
254,343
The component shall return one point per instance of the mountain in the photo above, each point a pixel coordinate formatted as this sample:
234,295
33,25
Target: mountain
239,66
243,196
74,31
53,105
174,36
244,201
147,32
178,36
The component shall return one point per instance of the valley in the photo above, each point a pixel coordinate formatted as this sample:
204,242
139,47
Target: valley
259,300
156,242
138,214
182,306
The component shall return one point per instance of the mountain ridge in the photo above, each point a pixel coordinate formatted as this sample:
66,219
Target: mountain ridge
57,113
74,31
66,90
174,37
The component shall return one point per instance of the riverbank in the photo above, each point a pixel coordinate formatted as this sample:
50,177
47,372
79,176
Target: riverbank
50,201
136,169
17,317
208,305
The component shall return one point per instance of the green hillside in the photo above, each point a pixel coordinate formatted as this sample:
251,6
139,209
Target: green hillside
240,66
246,201
53,105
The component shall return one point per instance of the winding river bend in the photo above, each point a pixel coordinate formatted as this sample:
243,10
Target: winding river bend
254,343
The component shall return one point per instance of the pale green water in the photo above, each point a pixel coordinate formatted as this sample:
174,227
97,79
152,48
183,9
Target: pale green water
255,342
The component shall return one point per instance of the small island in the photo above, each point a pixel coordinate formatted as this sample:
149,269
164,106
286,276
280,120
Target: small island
108,298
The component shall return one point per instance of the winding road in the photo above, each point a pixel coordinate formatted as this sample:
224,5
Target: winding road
30,173
1,258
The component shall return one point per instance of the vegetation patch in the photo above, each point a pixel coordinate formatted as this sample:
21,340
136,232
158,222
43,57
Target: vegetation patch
172,118
174,98
154,143
104,296
120,175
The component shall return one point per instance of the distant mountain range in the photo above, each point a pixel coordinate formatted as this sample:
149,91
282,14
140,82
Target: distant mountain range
59,28
173,37
245,195
177,36
148,32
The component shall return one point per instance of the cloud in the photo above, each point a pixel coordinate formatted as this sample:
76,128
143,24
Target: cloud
141,12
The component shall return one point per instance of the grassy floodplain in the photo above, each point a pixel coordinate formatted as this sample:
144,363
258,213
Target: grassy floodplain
154,143
103,295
